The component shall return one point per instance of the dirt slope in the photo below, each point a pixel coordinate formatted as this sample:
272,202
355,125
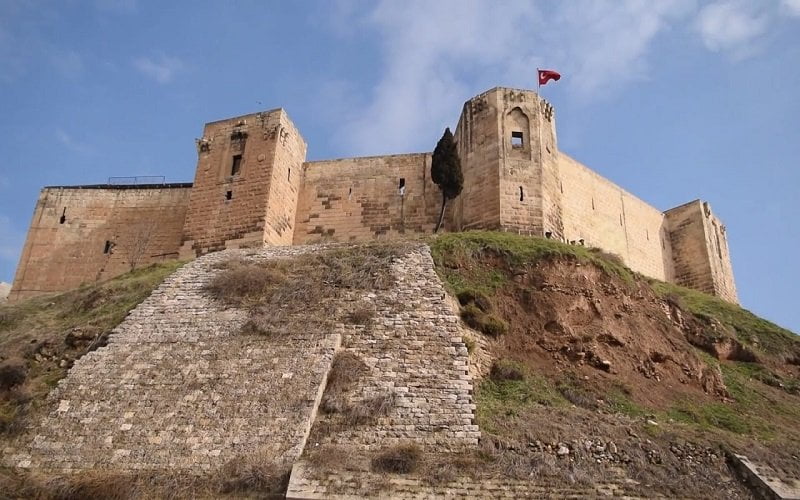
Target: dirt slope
611,368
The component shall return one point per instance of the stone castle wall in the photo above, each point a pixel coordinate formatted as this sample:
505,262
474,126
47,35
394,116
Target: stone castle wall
358,199
253,187
604,215
86,234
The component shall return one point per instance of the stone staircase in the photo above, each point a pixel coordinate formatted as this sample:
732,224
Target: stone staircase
177,388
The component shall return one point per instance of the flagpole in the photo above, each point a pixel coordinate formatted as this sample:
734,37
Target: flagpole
539,127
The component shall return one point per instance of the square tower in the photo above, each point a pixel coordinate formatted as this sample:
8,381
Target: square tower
246,184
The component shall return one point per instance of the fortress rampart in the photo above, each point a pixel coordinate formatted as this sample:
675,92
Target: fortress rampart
253,187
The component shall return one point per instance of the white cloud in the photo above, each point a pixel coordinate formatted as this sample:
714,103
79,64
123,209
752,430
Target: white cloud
162,69
70,143
791,6
732,26
432,49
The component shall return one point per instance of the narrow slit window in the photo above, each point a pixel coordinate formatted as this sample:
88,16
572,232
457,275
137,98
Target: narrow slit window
63,217
517,140
107,247
236,165
289,176
402,186
592,203
350,193
521,194
228,195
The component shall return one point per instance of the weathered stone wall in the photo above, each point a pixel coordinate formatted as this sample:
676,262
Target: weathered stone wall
306,485
285,184
253,188
417,359
178,387
252,202
700,250
85,234
477,138
606,216
357,199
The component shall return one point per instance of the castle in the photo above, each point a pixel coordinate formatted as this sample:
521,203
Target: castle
254,187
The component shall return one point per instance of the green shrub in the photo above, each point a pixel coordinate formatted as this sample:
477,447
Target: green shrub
483,322
503,370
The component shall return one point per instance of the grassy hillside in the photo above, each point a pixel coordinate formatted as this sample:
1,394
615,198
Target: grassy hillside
40,338
590,349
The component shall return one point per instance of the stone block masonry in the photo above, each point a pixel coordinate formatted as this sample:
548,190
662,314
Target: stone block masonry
178,388
254,187
89,233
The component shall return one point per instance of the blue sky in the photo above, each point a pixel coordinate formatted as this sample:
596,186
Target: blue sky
673,100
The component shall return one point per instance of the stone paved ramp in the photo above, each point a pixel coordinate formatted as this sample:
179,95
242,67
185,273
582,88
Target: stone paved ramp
176,387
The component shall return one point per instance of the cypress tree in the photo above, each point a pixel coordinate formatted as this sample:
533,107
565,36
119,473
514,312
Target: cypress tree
446,171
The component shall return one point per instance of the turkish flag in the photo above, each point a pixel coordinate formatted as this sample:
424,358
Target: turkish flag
545,75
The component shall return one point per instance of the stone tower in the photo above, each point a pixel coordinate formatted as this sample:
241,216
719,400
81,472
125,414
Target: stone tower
507,144
246,184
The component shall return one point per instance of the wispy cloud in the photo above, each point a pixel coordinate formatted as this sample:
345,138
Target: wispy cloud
438,53
732,26
162,69
72,144
791,6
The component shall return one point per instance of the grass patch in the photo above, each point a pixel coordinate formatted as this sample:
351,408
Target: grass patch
41,337
744,325
251,476
500,398
400,459
466,251
308,285
619,401
708,415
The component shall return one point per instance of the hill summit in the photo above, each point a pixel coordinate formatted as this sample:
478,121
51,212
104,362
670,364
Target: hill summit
474,364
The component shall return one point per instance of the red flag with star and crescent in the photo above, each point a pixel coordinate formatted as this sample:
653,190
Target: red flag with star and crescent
545,75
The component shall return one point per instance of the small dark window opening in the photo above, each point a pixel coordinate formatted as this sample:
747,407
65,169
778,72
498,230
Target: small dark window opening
236,165
516,140
289,176
521,194
350,193
582,242
592,203
107,248
548,235
647,232
561,186
228,195
63,217
402,186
